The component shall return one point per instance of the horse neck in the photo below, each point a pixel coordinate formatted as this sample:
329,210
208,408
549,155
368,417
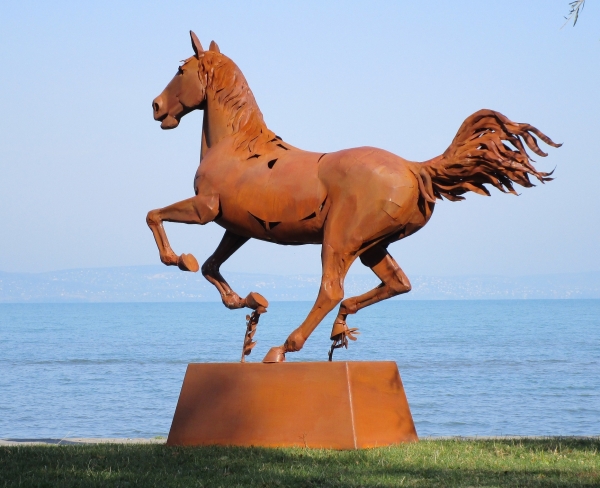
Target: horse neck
231,110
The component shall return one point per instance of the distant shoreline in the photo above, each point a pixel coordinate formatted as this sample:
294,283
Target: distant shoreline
132,284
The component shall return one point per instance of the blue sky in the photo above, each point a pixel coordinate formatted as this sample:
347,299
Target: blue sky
82,161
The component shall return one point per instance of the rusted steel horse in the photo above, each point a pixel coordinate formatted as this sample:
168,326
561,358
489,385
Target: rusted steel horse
354,202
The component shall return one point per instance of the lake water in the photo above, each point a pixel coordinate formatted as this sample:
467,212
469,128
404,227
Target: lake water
510,367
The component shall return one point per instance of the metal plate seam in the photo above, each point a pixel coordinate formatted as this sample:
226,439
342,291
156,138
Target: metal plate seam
351,405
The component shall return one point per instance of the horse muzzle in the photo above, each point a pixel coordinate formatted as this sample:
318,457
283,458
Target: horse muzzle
158,108
169,122
161,113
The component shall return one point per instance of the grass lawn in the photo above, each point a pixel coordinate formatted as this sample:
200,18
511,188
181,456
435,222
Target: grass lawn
532,462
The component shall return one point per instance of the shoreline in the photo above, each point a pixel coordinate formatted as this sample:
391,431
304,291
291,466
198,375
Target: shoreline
82,441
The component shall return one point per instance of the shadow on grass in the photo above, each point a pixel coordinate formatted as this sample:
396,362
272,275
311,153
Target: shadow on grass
539,463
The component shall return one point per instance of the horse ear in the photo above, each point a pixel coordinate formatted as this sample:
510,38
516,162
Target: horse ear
196,44
214,47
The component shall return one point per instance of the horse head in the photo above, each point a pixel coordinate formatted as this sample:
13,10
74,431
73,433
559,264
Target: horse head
186,91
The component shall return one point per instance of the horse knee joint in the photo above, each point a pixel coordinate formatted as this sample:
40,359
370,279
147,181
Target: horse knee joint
400,286
153,218
208,268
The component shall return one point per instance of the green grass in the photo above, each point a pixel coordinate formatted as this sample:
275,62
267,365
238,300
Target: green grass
528,462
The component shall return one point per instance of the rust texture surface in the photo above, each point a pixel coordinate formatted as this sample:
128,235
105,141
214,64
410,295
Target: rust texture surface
338,405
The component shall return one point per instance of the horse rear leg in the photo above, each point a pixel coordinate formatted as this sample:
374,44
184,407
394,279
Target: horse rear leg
210,269
393,282
335,267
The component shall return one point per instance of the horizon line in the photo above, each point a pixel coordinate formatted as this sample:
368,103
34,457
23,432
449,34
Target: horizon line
366,272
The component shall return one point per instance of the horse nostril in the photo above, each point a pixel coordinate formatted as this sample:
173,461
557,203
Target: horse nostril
156,107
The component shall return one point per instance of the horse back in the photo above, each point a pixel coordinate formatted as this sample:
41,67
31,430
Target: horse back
369,175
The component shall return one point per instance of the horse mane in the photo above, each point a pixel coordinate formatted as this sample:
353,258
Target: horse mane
230,89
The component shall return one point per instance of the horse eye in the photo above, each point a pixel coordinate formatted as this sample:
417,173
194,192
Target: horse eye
179,71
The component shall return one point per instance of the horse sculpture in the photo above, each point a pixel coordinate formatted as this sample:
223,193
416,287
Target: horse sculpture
354,202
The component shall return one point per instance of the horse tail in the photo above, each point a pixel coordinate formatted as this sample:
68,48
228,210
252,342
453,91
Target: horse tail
479,155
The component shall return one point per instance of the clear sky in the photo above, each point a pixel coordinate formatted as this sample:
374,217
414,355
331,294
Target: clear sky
82,160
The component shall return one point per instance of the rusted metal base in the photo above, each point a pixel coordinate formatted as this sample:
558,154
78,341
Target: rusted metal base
337,405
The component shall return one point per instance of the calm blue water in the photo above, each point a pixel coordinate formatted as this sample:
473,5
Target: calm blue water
469,367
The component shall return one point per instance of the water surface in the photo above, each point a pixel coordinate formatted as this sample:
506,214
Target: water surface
507,367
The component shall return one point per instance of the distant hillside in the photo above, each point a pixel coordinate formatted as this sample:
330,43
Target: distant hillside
162,284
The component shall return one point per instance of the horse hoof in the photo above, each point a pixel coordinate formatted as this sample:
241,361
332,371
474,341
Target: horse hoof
275,355
187,262
256,301
339,327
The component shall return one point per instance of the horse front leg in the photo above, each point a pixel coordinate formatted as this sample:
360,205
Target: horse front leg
210,269
335,267
186,212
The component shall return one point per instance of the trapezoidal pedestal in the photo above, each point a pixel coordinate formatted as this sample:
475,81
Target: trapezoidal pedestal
335,405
